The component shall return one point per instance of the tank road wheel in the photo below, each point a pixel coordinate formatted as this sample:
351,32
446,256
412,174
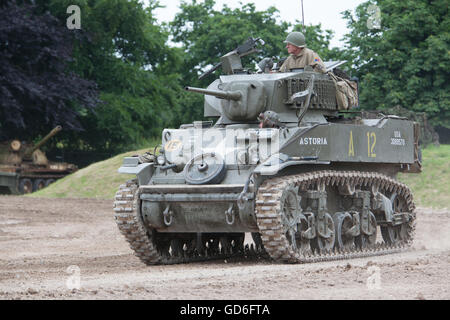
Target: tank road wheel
212,246
394,234
225,244
237,242
176,248
343,223
192,246
25,186
325,243
366,240
163,247
38,184
398,233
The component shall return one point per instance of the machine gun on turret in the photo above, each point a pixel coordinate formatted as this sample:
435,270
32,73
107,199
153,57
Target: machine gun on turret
231,62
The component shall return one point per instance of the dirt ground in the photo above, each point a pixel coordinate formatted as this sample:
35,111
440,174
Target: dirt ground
72,249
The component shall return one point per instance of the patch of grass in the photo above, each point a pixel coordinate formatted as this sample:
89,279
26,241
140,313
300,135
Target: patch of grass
431,187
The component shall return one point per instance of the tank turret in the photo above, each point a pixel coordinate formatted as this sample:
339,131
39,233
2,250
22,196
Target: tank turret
15,152
238,101
240,95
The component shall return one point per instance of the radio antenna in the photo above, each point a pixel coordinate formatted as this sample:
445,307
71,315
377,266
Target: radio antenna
303,18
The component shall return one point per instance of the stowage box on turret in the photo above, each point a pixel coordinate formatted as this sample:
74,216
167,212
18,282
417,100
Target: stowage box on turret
287,161
24,168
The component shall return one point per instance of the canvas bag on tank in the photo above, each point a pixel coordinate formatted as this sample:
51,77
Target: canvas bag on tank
346,92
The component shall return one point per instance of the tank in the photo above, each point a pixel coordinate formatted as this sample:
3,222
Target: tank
284,173
24,168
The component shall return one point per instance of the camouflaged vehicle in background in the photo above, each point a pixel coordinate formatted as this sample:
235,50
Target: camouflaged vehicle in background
308,181
24,168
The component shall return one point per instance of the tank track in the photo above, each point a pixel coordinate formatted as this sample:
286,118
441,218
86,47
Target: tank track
273,241
130,223
269,214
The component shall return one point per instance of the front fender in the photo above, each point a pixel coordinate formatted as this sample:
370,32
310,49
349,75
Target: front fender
143,171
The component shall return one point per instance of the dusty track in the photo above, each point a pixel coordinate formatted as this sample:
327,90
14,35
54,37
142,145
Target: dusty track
41,238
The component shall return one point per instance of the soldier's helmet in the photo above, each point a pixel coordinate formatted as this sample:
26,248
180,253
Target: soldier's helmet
297,39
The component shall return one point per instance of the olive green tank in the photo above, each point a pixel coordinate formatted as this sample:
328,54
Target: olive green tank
289,171
24,168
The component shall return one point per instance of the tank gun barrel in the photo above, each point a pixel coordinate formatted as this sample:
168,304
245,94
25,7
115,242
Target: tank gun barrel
44,140
228,95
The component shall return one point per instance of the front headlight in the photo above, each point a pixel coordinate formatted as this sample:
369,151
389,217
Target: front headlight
161,159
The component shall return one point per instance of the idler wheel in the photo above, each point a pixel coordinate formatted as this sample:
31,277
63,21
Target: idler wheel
394,234
206,168
399,233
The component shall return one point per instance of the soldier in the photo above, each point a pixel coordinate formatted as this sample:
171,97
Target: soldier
300,56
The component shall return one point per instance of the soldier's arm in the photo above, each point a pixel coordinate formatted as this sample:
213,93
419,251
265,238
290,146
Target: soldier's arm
315,62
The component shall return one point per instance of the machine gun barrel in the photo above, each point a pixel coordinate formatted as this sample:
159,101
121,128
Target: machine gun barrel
243,50
44,140
228,95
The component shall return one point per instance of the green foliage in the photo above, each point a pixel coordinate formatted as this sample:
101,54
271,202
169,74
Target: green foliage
37,92
124,50
430,188
406,61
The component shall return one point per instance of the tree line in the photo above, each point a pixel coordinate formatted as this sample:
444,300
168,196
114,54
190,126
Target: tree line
118,81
